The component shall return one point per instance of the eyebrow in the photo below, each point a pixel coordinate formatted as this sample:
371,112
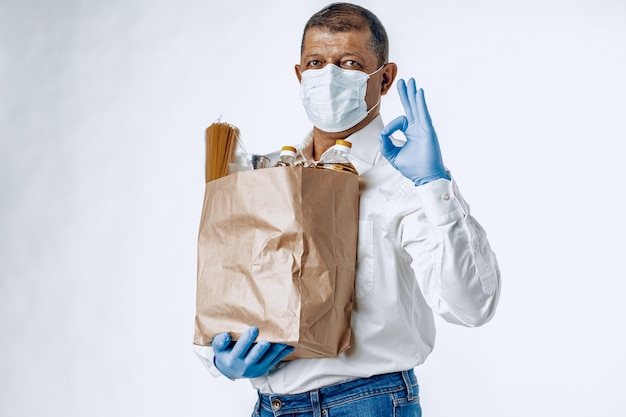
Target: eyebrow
358,57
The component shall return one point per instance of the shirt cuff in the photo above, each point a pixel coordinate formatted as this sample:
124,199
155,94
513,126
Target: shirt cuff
443,203
205,354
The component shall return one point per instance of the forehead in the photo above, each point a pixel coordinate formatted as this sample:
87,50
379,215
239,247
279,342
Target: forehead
321,41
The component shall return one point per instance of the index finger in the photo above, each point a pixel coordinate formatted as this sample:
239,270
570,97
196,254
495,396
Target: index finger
242,346
406,103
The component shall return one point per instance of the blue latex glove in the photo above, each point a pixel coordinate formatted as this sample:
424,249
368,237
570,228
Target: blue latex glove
246,359
419,159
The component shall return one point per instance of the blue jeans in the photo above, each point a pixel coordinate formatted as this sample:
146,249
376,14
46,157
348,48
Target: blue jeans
394,395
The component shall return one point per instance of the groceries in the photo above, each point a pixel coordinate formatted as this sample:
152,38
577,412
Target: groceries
277,250
225,154
221,143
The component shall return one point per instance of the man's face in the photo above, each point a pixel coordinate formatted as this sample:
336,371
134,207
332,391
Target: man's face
347,50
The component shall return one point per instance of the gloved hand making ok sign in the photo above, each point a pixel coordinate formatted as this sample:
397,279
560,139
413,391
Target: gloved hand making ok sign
246,359
419,159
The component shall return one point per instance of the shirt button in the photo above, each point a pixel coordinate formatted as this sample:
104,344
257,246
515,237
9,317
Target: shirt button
445,197
475,245
277,404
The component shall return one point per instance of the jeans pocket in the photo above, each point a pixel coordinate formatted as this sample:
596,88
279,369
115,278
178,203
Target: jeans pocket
407,408
403,406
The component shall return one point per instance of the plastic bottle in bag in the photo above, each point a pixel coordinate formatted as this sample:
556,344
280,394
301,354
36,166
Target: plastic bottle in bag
337,158
287,157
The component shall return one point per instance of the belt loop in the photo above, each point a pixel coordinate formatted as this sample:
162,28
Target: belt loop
407,382
315,403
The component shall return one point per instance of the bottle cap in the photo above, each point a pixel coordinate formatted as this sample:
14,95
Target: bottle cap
288,150
343,143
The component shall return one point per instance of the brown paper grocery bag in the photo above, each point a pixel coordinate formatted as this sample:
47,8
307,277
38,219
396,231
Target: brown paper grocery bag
277,250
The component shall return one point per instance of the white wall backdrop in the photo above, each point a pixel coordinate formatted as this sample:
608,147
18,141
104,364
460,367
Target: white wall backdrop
103,106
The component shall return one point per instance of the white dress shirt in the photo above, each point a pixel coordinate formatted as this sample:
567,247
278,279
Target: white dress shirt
419,251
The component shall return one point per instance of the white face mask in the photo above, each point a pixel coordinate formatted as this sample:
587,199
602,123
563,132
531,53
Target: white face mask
334,98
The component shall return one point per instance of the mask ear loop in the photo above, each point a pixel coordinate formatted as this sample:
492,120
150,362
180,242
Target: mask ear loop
374,106
381,67
368,77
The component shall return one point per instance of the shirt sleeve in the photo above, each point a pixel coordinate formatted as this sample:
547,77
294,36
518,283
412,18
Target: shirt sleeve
205,354
453,262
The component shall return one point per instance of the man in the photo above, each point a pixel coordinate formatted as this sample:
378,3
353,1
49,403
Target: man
419,248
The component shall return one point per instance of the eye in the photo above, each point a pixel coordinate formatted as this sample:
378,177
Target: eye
314,63
350,64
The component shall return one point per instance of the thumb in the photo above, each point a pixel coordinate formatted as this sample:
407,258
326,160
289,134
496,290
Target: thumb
399,123
220,342
387,148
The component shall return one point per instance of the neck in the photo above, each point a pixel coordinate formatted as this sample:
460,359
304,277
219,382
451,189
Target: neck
322,141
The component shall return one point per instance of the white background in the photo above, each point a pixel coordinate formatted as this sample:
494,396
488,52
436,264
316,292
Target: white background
103,107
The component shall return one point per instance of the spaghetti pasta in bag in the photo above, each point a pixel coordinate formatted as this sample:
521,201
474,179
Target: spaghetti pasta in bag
221,144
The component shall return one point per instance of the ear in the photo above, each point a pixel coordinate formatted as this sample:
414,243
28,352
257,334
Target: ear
298,73
389,75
